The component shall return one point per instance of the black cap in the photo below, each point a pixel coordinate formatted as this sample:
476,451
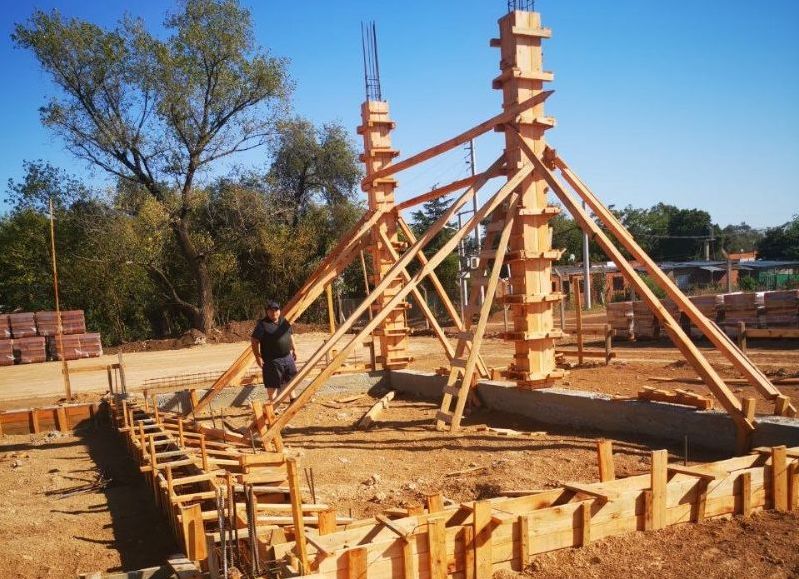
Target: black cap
272,305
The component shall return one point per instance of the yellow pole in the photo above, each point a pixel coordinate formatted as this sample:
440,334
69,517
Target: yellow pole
60,329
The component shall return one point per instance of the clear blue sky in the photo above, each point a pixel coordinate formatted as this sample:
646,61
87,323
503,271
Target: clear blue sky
690,103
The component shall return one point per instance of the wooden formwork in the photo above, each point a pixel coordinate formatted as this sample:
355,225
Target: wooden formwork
476,539
223,499
521,239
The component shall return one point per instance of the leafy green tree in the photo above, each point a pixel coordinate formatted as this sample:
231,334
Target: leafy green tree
157,114
741,237
421,220
781,242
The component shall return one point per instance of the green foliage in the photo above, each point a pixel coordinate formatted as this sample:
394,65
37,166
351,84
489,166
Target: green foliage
656,289
421,220
747,283
741,237
781,242
157,113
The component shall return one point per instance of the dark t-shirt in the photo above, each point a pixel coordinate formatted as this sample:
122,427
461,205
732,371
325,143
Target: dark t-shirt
275,338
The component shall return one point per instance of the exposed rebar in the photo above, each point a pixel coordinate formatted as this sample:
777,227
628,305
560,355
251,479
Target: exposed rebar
371,64
526,5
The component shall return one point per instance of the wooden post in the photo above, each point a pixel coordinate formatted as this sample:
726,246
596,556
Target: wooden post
435,502
437,537
585,522
793,485
62,423
181,439
524,540
482,537
608,344
523,77
742,336
779,478
607,468
659,480
746,494
357,563
326,521
578,313
296,513
204,454
378,152
193,532
123,384
269,414
744,439
331,312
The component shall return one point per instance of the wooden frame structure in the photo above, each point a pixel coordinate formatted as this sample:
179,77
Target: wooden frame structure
476,539
518,235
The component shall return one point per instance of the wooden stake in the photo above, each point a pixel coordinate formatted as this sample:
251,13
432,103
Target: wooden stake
327,521
524,540
746,494
357,562
469,548
585,522
296,513
779,478
578,312
607,468
482,534
435,502
659,481
437,537
204,454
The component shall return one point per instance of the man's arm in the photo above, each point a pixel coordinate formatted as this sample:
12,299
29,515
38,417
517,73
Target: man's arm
255,344
293,346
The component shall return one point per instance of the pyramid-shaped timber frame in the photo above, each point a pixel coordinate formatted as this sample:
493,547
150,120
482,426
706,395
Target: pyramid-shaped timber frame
519,214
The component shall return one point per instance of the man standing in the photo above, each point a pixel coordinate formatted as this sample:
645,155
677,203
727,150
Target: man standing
273,345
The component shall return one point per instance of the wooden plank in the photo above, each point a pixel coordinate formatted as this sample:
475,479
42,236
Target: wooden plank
443,252
436,534
437,192
746,494
779,478
793,485
482,534
368,419
506,116
585,522
681,340
602,493
193,532
720,340
607,469
524,540
468,552
296,513
659,481
357,563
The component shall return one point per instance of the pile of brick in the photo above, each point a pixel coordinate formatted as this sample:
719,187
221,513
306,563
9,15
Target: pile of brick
781,309
645,324
26,338
709,306
740,307
620,318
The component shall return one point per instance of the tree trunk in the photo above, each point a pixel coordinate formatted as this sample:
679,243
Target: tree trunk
206,310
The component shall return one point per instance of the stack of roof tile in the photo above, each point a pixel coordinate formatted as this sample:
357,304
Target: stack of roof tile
6,353
645,324
5,327
71,344
740,307
709,306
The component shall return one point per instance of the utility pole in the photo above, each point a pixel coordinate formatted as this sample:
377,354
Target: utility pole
60,327
586,268
473,167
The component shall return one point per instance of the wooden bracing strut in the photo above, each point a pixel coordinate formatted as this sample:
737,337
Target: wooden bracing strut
395,271
462,367
716,384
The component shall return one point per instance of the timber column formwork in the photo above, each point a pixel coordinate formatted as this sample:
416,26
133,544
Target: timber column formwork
376,130
530,252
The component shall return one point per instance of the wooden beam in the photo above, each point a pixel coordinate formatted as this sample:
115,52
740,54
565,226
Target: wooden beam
779,478
368,419
507,116
607,469
297,516
681,340
659,480
437,538
719,339
482,535
440,192
357,563
443,252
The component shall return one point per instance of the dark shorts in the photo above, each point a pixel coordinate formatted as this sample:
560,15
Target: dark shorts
279,372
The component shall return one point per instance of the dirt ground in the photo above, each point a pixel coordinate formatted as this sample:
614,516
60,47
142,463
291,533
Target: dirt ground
393,464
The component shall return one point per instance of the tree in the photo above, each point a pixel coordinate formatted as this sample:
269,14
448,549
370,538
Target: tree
157,114
312,165
421,220
740,237
781,242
